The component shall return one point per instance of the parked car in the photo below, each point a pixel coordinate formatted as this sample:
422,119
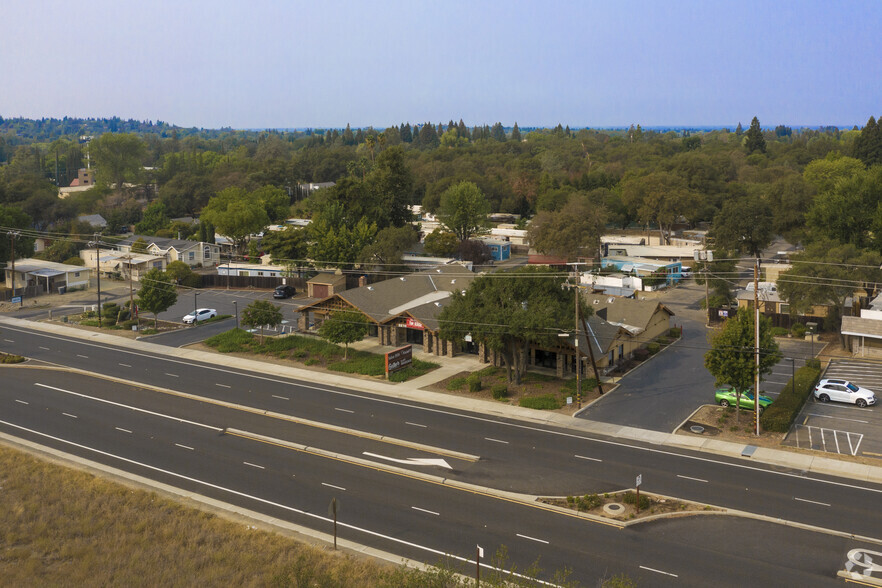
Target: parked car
726,396
201,314
844,391
284,292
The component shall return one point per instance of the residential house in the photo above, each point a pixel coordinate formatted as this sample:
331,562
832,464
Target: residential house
126,265
193,253
252,269
645,320
96,221
668,272
325,284
46,276
500,250
863,334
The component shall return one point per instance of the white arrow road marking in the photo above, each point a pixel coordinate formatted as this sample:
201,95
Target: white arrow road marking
419,461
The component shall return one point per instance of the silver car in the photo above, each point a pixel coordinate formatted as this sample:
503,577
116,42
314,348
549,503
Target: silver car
844,391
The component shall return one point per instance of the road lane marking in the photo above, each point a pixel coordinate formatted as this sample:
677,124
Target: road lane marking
223,385
83,356
431,512
659,571
810,501
419,461
21,401
345,410
172,375
9,340
484,419
532,538
691,478
496,440
281,397
827,416
45,348
416,425
123,430
332,486
588,458
67,414
184,446
285,507
254,465
135,408
124,365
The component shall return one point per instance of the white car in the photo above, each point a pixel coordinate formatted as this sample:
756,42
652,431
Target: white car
201,314
844,391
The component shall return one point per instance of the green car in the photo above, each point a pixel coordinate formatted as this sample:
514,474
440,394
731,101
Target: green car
725,396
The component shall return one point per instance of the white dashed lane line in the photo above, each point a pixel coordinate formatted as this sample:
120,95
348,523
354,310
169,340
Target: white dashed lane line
124,365
172,375
332,486
21,401
184,446
223,385
254,465
281,397
416,425
532,538
496,440
123,430
345,410
431,512
659,572
83,356
691,478
67,414
588,458
9,340
44,348
810,501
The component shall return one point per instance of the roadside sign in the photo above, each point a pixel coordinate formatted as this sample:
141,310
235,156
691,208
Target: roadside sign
16,299
639,480
398,359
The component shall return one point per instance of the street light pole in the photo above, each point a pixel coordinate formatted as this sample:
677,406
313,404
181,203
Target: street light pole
13,235
195,308
236,308
756,391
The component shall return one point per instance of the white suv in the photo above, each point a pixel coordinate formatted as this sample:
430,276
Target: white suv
844,391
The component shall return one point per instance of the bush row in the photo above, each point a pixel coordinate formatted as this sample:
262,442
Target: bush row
780,414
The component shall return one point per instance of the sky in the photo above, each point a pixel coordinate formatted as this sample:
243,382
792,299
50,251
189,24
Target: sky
326,63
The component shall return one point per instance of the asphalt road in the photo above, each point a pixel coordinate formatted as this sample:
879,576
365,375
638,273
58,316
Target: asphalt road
514,455
400,513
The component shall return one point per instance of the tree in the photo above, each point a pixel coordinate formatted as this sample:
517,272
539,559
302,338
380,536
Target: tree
117,157
731,359
157,293
274,200
464,210
260,314
744,225
475,251
868,145
739,130
139,245
391,183
333,241
182,275
440,243
850,211
516,133
153,220
289,244
389,246
497,132
236,215
344,326
508,315
12,217
754,140
827,274
572,232
660,197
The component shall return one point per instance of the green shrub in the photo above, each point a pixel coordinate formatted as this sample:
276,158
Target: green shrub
499,391
640,354
457,383
798,330
780,414
631,498
814,363
653,348
5,358
663,341
232,340
780,332
90,323
544,402
474,382
127,325
675,332
312,361
588,502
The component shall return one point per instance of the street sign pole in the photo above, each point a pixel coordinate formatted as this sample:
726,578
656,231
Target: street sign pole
639,481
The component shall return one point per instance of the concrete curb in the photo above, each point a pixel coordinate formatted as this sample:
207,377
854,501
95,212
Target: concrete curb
777,457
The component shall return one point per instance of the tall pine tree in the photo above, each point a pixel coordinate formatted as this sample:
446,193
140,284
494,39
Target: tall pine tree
406,134
463,131
516,133
755,140
868,145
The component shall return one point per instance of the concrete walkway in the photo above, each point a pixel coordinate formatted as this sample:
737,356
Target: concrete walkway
412,392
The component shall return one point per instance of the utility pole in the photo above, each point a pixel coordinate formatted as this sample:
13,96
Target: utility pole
13,235
576,342
756,391
97,244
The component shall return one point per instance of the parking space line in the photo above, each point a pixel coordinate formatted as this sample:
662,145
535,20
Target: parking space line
824,439
827,416
836,438
860,438
850,447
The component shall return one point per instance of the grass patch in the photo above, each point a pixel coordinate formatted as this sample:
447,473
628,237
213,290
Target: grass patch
311,351
7,358
544,402
63,527
457,383
215,319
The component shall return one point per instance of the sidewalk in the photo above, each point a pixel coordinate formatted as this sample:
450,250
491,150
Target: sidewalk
412,391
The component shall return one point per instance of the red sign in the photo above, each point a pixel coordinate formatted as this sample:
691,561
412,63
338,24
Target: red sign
414,324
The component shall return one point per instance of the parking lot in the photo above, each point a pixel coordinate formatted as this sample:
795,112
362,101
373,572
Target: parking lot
795,353
842,428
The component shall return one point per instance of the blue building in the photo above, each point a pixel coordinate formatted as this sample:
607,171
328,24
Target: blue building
499,250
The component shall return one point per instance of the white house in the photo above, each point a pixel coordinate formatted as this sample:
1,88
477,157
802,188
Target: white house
48,276
193,253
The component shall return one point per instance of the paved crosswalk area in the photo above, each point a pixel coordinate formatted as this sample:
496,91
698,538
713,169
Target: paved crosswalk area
842,428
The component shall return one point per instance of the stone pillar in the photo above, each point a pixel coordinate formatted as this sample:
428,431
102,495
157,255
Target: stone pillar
303,321
450,348
393,338
427,342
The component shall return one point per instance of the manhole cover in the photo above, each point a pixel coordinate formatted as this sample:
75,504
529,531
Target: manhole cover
697,429
614,508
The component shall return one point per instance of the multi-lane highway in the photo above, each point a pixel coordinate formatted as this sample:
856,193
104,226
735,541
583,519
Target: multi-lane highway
197,427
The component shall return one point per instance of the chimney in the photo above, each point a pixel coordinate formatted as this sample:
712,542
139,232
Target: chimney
362,281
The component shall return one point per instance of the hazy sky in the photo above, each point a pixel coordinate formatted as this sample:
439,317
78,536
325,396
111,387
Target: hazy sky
292,63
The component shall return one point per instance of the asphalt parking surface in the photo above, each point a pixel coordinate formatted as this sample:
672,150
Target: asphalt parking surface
836,427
